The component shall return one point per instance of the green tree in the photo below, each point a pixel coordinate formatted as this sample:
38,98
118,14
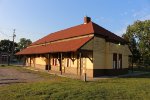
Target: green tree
7,45
138,35
23,43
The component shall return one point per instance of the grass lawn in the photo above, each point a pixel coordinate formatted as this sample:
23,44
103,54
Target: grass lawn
58,88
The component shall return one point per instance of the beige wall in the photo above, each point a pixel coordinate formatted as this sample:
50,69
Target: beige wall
27,61
88,45
119,49
99,53
103,53
74,64
40,60
100,58
37,62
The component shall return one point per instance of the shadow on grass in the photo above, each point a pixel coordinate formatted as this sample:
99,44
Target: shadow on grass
147,75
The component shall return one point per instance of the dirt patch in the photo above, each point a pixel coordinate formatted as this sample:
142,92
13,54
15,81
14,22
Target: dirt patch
12,75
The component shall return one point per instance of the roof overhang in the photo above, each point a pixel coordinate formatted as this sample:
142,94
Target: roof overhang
63,46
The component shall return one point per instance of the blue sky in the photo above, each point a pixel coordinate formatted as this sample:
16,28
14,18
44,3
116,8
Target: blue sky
34,19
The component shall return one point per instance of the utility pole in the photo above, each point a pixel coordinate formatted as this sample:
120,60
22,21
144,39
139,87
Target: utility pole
13,47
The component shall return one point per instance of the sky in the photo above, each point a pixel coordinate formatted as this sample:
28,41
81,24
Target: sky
34,19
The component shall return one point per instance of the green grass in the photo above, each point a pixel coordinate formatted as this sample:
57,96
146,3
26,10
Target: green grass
58,88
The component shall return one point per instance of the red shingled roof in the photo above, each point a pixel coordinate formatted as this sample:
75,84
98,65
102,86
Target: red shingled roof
71,45
83,29
109,36
79,30
64,46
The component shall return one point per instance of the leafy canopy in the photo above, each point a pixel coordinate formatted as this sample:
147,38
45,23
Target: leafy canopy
23,43
7,45
138,35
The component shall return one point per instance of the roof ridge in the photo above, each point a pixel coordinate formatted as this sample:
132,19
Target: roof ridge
65,39
78,30
92,26
106,33
54,33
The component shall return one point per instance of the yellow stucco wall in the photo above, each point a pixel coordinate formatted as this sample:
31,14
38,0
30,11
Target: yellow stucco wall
37,62
103,53
100,58
74,65
40,60
89,64
99,53
119,49
88,45
27,61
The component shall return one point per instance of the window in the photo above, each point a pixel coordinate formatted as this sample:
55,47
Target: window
117,62
114,60
120,61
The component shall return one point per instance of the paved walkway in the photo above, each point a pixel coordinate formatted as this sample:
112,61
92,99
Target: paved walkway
12,75
58,73
130,74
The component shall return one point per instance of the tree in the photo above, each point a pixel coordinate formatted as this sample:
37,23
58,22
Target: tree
138,35
7,45
23,43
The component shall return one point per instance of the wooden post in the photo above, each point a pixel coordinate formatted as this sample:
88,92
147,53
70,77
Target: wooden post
84,69
80,62
18,59
34,60
30,61
8,59
77,65
85,77
48,62
24,62
61,63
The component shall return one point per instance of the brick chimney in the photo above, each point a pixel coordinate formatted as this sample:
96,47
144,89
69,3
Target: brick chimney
87,20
